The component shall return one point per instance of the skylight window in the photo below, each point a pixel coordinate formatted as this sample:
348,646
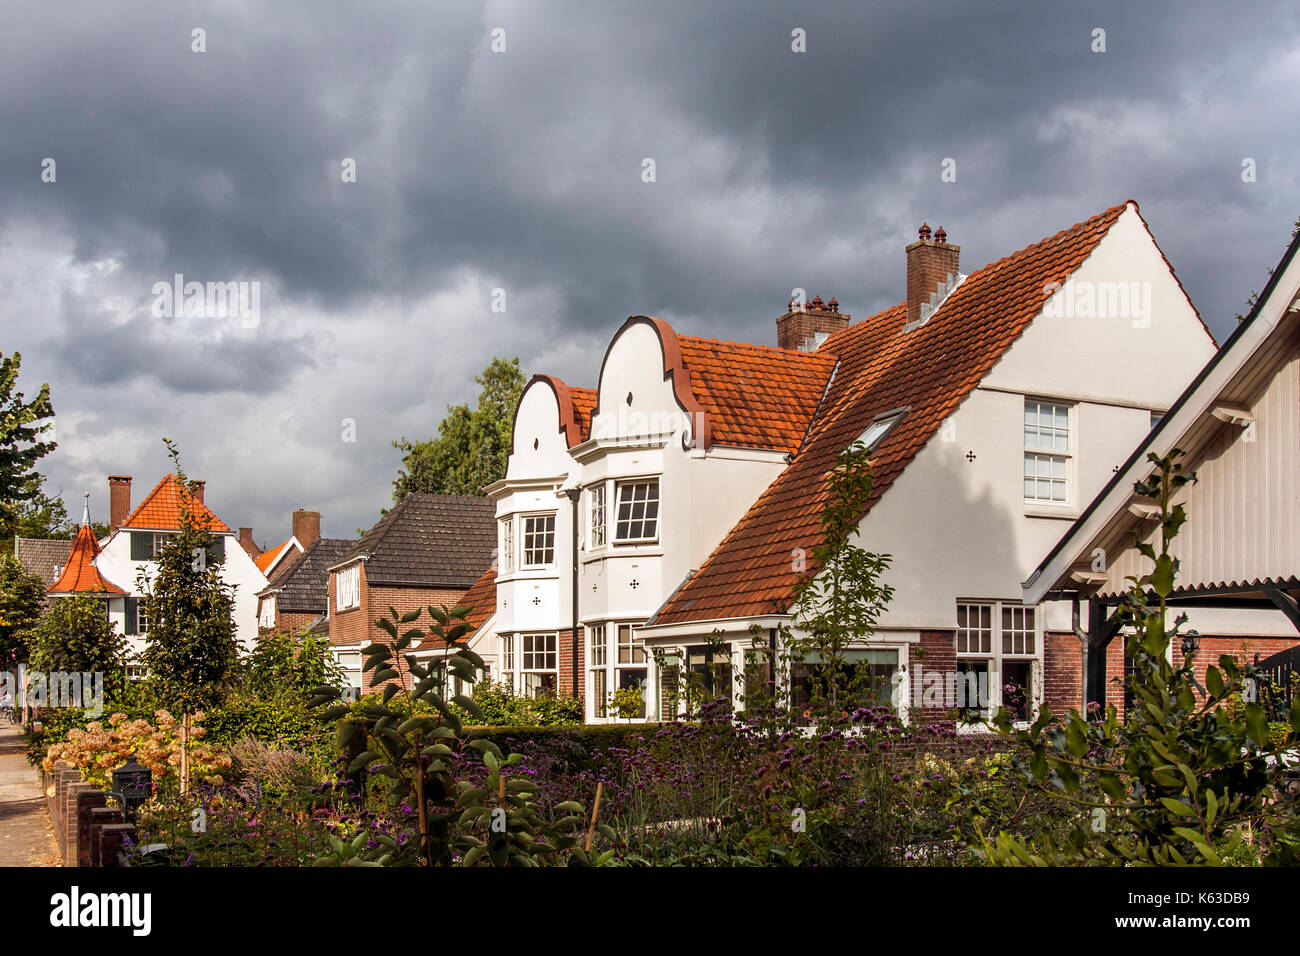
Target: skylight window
880,427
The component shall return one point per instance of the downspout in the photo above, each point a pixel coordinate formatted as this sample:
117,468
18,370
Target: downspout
573,494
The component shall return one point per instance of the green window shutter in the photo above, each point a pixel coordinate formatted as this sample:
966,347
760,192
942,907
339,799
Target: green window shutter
141,546
217,550
129,606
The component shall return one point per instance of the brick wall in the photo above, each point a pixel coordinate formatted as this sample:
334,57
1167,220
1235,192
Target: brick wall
1062,672
565,646
936,651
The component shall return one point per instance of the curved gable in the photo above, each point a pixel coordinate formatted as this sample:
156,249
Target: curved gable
638,331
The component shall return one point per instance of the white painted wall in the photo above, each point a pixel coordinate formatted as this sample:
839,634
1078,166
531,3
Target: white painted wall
238,570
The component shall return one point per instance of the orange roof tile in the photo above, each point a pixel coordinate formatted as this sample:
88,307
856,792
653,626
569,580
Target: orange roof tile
755,396
80,576
266,560
482,598
161,509
881,367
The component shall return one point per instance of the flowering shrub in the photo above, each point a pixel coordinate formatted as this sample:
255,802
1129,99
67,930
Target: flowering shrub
97,750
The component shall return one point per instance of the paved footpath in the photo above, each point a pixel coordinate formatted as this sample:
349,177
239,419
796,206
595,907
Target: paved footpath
26,837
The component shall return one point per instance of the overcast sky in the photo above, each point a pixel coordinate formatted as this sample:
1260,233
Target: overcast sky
522,170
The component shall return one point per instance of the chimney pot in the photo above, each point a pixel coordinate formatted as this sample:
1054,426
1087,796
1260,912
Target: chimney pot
929,266
306,527
197,486
249,545
803,324
119,500
924,231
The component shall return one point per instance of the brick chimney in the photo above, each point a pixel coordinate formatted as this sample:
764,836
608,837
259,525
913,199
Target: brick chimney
806,324
306,527
119,500
246,539
197,485
931,265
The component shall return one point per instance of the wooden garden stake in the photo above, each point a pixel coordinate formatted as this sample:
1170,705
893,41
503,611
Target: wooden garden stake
595,812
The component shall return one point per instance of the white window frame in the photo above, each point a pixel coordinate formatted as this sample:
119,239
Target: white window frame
347,588
141,618
597,516
266,618
631,484
508,662
598,670
1035,452
160,539
526,551
1000,637
528,660
507,544
880,428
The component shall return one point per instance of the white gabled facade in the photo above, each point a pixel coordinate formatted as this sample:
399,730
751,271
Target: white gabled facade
960,520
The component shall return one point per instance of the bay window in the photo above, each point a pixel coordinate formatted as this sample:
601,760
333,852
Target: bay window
638,512
541,667
539,541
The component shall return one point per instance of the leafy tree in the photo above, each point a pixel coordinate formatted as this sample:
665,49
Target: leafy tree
472,444
283,663
1184,779
22,426
190,649
838,603
22,601
76,635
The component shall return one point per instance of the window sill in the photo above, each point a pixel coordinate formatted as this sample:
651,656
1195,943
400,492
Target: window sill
1067,512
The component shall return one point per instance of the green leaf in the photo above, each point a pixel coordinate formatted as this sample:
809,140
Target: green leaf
1177,807
1214,681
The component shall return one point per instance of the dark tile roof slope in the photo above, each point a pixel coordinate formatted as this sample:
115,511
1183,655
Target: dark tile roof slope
430,541
41,556
303,580
881,367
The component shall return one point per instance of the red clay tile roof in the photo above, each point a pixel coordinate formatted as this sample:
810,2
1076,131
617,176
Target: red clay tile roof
482,599
575,408
755,396
80,576
931,370
161,509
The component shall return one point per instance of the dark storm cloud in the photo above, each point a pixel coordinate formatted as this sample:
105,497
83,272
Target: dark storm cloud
522,171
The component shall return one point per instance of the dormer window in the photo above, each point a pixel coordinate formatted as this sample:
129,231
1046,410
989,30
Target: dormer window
880,428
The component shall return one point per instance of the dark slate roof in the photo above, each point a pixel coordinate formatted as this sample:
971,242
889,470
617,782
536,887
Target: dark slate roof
430,541
41,555
303,580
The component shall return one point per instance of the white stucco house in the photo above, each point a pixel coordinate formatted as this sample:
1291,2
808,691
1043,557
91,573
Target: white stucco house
676,504
113,570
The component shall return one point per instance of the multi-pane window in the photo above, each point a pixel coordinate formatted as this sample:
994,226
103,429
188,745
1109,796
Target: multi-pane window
508,661
597,494
507,545
267,617
539,541
638,512
348,588
630,668
597,659
540,664
1047,451
160,541
141,618
997,644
